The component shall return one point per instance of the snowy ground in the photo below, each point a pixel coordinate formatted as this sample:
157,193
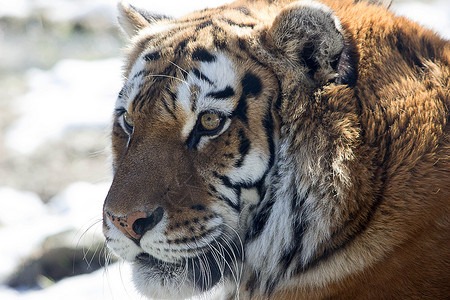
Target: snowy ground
78,100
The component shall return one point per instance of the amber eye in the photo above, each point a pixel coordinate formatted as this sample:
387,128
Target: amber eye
210,121
129,123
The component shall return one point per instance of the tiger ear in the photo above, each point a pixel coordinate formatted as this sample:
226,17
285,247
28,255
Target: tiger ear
310,36
133,19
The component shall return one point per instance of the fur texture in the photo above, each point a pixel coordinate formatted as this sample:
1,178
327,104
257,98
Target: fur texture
327,174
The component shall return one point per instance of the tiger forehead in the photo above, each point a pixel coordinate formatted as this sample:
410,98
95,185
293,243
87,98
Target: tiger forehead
212,28
201,80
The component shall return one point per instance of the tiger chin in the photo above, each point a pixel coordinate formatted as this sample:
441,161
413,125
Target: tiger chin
282,150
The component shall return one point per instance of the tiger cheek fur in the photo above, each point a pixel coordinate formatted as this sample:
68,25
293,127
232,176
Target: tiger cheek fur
282,150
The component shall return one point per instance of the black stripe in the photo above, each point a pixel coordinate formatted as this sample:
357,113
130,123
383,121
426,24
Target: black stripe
152,56
244,10
201,54
138,101
230,203
122,91
270,285
203,25
212,188
241,110
232,23
298,230
223,94
259,221
193,98
219,38
173,97
168,109
251,85
236,189
244,147
225,180
280,97
242,44
269,128
181,45
201,76
140,73
252,282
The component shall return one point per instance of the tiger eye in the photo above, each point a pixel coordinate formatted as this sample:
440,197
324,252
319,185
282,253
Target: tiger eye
210,121
127,118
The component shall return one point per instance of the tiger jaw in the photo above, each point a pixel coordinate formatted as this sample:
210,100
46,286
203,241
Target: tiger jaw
179,267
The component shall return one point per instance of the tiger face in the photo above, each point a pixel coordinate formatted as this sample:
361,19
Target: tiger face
262,147
192,142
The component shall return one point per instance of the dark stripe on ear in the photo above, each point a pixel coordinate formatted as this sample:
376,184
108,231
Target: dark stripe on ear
244,147
223,94
201,54
201,76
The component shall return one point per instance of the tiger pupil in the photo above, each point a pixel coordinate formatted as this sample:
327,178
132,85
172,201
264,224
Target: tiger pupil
210,121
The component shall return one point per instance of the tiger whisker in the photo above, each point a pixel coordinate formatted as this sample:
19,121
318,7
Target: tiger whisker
168,76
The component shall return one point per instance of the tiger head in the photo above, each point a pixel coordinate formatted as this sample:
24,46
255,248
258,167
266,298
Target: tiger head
195,136
236,150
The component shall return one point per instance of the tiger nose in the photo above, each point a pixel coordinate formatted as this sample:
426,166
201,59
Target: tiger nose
136,224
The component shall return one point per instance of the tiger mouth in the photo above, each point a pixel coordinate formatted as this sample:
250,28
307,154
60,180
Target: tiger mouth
203,270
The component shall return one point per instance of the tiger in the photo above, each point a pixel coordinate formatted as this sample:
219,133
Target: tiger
282,150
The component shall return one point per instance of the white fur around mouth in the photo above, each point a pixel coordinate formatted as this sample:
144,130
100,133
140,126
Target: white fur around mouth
196,274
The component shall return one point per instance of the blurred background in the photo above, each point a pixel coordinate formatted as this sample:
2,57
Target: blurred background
60,72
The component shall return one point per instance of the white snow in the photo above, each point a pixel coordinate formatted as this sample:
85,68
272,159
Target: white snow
77,94
112,283
69,10
73,94
25,221
434,15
